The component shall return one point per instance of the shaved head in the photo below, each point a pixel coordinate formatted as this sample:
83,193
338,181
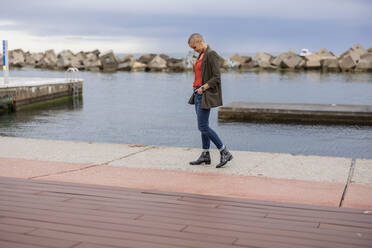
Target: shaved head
195,38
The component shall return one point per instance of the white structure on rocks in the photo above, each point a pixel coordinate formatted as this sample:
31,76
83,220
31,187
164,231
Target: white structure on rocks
191,58
305,52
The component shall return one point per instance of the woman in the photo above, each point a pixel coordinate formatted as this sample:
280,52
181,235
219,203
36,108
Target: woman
206,95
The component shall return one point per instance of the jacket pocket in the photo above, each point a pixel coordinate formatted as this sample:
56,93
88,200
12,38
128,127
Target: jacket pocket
212,99
212,90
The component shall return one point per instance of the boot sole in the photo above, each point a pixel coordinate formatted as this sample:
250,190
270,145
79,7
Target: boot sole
201,163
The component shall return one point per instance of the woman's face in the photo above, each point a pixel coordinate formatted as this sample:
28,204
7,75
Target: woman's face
196,46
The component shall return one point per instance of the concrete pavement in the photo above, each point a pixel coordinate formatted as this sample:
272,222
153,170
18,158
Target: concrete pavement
306,179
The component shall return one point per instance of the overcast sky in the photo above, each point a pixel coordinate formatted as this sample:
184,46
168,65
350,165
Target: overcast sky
139,26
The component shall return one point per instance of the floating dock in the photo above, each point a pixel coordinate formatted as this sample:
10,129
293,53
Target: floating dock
297,113
23,92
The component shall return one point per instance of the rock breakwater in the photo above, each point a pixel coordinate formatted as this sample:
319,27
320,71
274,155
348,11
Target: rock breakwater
355,59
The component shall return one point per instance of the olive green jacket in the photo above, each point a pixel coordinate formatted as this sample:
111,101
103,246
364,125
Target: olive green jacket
210,69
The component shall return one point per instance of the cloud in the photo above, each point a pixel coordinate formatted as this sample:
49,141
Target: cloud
164,25
341,10
7,23
29,42
350,10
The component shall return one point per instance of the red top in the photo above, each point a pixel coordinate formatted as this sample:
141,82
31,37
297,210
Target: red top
198,74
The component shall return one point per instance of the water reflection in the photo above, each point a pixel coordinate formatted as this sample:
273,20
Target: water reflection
41,115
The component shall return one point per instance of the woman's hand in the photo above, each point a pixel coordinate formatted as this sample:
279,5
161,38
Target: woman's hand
199,91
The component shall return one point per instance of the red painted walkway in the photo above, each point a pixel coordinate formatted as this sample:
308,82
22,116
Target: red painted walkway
259,188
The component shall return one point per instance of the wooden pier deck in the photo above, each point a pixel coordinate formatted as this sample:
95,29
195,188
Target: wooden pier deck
37,213
297,113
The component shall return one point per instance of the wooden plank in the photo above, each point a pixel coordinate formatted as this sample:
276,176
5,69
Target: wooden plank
247,240
90,245
324,215
232,225
104,230
91,221
124,198
67,212
14,228
102,240
165,205
24,200
125,238
272,231
246,225
45,241
122,206
184,213
17,245
126,209
61,217
18,190
320,220
270,244
120,231
32,196
366,231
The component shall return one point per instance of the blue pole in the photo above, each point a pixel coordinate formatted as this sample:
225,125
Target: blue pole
4,57
5,62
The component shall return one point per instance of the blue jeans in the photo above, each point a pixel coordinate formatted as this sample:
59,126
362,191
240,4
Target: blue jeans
207,134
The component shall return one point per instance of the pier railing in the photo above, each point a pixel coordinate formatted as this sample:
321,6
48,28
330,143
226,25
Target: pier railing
72,76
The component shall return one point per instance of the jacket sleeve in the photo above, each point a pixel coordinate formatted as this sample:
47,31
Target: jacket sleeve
213,61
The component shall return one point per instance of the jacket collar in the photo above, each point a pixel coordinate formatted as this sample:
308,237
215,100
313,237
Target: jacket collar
205,52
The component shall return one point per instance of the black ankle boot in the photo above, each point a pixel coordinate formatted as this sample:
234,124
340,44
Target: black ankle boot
226,156
204,158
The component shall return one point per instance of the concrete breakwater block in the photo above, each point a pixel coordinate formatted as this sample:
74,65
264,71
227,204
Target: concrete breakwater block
297,112
20,92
